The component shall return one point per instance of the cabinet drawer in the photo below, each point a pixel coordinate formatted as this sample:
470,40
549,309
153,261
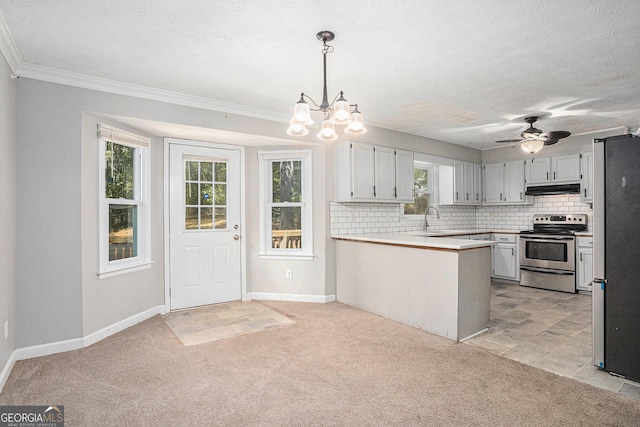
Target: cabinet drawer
480,237
505,238
585,242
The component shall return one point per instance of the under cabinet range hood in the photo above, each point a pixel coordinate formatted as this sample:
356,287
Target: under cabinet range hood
545,190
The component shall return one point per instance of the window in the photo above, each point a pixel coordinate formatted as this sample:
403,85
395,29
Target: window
205,195
424,189
124,216
285,202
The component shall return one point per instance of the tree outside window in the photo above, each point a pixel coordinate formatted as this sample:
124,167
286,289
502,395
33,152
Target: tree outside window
423,189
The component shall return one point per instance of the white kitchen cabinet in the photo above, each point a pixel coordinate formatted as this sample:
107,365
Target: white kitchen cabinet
372,173
458,184
584,263
553,170
504,183
514,181
586,177
384,173
504,257
477,189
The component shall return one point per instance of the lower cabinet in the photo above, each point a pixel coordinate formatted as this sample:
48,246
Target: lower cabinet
584,263
504,257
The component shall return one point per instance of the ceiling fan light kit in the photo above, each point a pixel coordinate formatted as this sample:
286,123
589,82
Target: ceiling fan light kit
338,112
534,139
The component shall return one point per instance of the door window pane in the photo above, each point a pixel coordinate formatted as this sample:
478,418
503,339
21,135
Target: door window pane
205,199
286,227
119,171
122,232
287,181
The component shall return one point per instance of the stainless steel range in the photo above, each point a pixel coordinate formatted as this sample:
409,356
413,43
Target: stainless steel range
547,253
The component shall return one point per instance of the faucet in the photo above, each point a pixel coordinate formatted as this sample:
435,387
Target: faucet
426,211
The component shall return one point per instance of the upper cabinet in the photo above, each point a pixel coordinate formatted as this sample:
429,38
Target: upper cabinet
372,173
460,184
586,177
504,183
553,170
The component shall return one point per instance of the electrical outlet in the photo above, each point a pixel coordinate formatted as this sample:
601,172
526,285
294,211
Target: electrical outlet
289,275
6,330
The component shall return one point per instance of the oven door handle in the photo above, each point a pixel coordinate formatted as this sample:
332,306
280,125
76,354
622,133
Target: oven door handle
545,271
545,238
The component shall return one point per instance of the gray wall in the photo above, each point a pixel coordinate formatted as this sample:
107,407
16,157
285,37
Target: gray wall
7,211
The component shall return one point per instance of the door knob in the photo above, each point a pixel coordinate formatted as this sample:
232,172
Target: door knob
235,227
236,237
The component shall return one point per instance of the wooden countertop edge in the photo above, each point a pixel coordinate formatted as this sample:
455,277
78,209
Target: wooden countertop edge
430,248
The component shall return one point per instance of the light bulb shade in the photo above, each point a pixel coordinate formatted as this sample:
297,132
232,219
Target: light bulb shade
532,147
302,112
296,128
357,125
327,131
341,112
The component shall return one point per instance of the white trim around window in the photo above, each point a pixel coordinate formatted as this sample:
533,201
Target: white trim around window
138,203
267,205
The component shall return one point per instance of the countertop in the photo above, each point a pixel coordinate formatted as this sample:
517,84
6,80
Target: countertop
427,240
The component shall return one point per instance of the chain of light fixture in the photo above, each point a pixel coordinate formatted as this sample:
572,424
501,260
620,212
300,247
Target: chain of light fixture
338,112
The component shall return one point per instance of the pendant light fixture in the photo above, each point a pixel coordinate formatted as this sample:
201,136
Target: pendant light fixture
338,112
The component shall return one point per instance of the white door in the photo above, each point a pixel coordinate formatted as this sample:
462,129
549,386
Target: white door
362,172
385,173
204,226
493,182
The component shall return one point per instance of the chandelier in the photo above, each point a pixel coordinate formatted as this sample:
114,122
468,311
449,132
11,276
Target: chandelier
338,112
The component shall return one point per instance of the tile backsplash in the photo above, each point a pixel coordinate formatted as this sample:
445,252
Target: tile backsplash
353,218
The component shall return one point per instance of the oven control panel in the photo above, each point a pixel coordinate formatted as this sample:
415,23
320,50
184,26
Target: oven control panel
560,219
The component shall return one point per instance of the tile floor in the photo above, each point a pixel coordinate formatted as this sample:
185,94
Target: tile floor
549,330
220,321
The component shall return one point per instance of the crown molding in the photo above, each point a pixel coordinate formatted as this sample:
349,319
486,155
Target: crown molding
52,75
8,47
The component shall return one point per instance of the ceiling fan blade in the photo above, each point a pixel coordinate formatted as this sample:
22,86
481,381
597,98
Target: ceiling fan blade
550,141
509,140
550,136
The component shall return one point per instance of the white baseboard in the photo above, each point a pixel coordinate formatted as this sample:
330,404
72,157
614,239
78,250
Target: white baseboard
268,296
8,367
78,343
122,325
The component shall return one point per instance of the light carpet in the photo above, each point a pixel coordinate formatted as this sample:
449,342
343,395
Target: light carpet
336,366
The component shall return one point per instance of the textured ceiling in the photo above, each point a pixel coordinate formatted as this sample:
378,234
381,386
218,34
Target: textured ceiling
464,71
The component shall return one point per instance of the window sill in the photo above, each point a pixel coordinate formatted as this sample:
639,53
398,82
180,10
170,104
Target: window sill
124,270
301,257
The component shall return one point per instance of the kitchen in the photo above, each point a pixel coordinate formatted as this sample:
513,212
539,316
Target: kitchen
561,209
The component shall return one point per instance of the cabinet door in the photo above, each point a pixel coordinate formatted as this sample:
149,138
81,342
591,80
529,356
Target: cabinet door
514,181
477,184
586,177
504,260
385,173
585,268
538,170
469,189
404,176
493,182
362,171
458,182
566,168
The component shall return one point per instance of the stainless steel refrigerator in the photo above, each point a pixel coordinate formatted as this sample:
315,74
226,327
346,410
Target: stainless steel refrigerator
616,255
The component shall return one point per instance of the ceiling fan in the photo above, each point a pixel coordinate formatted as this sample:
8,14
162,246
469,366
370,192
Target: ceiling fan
532,139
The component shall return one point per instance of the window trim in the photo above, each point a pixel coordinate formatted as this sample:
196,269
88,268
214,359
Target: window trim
433,178
265,159
142,191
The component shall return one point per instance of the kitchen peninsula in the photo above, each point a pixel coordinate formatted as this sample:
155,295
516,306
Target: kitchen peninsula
438,284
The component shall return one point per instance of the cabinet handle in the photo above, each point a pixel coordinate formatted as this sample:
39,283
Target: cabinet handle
547,176
585,192
521,195
456,195
500,196
554,175
466,197
580,257
374,191
477,197
512,252
395,192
